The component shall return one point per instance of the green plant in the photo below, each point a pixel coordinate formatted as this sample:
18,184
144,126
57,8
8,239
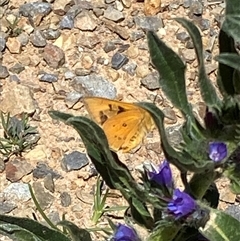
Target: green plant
209,152
18,135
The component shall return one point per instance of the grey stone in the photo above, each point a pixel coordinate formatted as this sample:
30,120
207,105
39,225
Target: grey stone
42,170
118,60
4,2
123,47
69,75
72,98
94,85
67,22
17,192
196,8
130,68
14,78
113,14
174,135
3,72
183,36
109,1
204,24
82,72
35,8
149,23
88,41
109,46
23,38
38,39
136,35
74,161
49,183
2,43
2,165
49,78
65,199
45,199
85,21
17,68
51,34
7,206
151,81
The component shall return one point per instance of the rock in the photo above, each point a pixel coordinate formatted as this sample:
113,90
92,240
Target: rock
174,135
183,36
65,199
119,6
123,47
119,30
6,206
127,3
89,40
94,85
23,38
67,22
132,52
74,161
14,45
136,35
170,115
98,12
151,81
49,78
149,23
82,72
109,1
44,199
113,14
189,55
87,61
152,7
17,192
16,169
42,170
2,165
17,68
68,75
109,46
2,43
49,183
72,98
18,100
37,154
196,8
204,24
38,39
112,74
85,21
54,56
142,71
118,60
3,72
130,68
35,8
51,34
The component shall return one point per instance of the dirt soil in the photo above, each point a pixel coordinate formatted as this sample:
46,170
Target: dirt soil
58,139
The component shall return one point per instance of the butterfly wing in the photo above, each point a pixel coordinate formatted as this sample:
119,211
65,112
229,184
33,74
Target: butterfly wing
102,109
126,130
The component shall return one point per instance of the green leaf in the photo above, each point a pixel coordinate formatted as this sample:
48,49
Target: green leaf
229,59
28,229
231,24
182,160
76,233
172,72
221,227
208,92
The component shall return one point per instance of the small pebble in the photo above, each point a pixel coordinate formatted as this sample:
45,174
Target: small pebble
149,23
17,68
3,72
2,43
67,22
109,46
130,68
38,39
49,183
42,170
118,60
151,81
65,199
113,14
74,161
50,78
183,37
51,34
35,8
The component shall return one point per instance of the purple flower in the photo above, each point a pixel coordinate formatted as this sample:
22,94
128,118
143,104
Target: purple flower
181,204
125,233
217,151
162,175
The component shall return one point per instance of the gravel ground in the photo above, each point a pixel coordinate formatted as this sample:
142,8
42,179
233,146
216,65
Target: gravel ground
54,52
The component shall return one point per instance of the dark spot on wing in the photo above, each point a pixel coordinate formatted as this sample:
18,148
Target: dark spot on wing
124,125
103,117
121,109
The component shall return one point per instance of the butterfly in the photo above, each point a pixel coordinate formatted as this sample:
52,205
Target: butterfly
124,124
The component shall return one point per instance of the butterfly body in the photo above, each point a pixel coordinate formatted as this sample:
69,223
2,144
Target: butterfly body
125,124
